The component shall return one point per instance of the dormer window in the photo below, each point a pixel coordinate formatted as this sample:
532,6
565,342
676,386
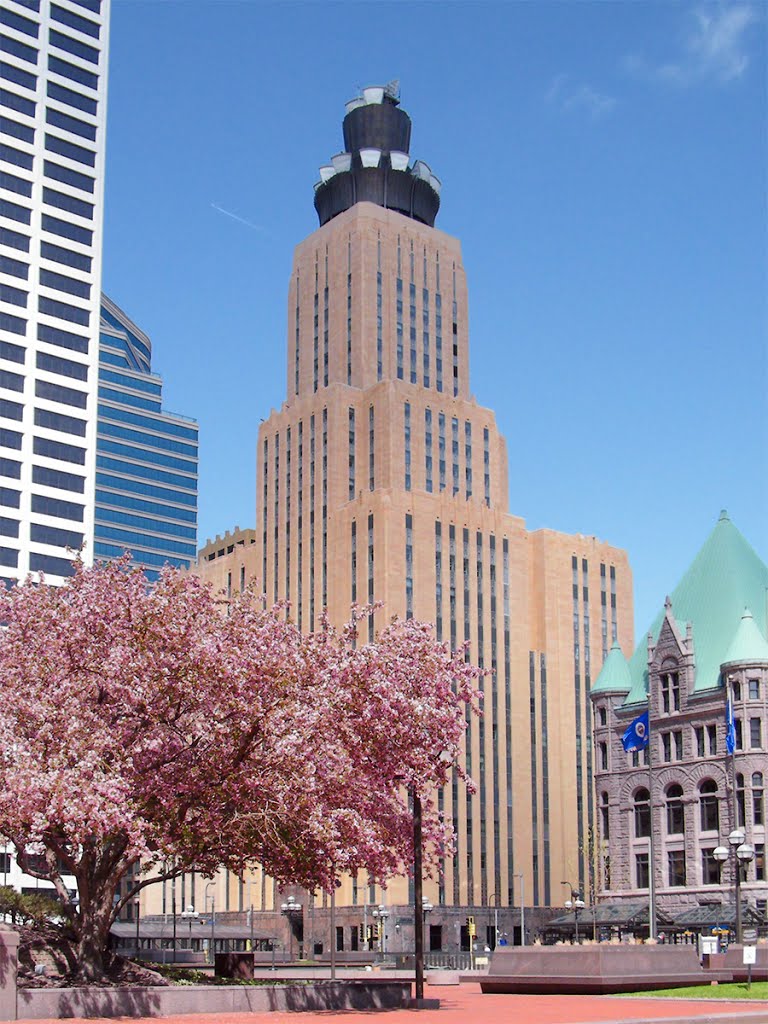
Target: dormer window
670,691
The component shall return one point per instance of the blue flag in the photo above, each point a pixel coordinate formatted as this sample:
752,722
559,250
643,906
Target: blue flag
636,734
730,727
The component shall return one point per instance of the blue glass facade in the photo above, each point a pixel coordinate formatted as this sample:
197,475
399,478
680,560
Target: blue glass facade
141,506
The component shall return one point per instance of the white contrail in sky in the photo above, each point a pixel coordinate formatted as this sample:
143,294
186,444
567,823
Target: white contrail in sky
237,217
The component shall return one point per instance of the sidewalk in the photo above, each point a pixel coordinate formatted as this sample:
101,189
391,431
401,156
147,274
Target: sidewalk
465,1004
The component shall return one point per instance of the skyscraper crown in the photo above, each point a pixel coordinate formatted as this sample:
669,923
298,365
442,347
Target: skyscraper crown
376,166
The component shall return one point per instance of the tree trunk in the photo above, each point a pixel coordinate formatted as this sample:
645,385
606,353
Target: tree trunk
93,937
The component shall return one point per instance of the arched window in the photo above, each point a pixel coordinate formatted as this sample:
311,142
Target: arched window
605,820
758,807
675,810
642,814
710,807
741,803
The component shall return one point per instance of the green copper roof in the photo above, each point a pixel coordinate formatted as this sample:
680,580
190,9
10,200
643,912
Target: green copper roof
614,676
724,578
749,644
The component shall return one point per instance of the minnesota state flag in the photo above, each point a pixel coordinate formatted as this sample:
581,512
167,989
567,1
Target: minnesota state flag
636,734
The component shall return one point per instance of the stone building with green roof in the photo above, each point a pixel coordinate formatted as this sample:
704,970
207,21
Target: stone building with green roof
709,642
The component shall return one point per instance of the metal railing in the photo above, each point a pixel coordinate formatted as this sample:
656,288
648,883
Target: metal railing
459,961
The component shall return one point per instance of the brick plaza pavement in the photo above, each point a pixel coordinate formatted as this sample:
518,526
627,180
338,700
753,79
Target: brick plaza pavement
465,1004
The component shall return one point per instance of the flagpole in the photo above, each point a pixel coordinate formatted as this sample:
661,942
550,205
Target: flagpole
652,845
729,720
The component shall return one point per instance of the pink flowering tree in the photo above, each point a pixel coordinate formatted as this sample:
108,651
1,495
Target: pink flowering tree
139,723
374,724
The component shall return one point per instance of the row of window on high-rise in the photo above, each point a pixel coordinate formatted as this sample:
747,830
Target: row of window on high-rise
283,515
429,460
464,568
423,329
70,133
582,661
146,466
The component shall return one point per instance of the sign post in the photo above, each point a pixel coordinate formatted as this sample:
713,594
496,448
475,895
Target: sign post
749,953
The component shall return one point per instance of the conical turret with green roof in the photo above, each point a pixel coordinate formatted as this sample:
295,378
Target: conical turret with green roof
725,577
749,646
614,676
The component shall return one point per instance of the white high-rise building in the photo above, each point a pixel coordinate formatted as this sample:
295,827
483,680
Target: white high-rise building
53,88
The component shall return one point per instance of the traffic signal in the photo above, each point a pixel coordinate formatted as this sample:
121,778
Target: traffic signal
471,927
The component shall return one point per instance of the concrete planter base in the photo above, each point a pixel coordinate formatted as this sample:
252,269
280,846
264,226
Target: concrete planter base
40,1004
595,970
57,1003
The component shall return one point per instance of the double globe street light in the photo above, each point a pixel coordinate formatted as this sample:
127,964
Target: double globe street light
290,909
576,904
745,852
380,914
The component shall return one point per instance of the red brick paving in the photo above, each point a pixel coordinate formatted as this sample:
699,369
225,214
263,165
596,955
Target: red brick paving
465,1004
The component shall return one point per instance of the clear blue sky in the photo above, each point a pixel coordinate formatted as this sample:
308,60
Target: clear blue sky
604,165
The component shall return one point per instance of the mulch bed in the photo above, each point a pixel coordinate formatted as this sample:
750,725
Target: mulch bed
53,948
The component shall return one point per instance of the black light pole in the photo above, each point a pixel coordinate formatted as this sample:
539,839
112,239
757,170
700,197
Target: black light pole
289,909
418,915
173,914
191,915
575,903
213,917
137,905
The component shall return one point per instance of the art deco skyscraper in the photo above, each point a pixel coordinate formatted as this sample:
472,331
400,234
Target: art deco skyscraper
382,479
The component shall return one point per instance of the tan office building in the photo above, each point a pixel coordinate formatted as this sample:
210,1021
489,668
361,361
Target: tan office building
382,479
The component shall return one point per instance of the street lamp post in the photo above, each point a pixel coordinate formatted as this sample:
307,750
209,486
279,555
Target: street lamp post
744,852
213,918
289,909
173,915
418,897
495,896
576,904
381,914
191,915
137,908
520,875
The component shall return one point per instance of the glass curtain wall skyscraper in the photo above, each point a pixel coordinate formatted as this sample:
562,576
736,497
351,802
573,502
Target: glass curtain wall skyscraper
53,69
146,462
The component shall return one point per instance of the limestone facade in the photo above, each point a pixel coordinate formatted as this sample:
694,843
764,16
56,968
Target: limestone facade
382,479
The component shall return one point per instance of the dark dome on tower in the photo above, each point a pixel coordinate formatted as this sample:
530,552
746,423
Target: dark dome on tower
376,166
